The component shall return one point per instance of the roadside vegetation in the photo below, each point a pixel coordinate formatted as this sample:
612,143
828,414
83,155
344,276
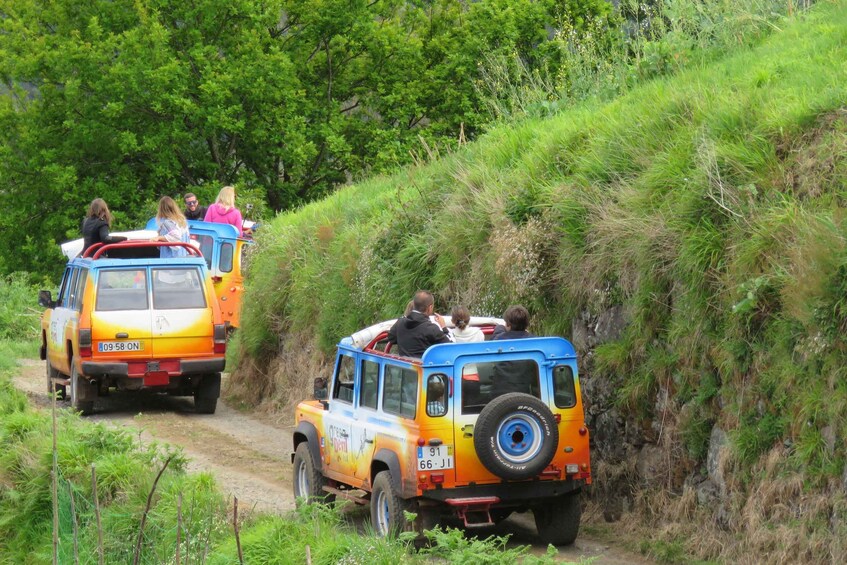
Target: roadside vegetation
699,187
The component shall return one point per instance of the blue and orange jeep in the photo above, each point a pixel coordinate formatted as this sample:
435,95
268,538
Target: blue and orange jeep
472,431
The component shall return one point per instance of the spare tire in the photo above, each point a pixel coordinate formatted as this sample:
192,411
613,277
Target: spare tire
515,436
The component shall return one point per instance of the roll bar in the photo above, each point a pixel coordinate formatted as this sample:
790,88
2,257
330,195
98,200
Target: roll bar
98,249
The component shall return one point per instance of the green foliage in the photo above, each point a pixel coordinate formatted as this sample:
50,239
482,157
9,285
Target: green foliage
20,313
286,99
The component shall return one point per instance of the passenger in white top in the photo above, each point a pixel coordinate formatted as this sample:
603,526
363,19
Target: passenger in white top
463,333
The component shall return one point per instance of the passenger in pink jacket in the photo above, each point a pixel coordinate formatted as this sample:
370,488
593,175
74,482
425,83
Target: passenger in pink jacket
223,211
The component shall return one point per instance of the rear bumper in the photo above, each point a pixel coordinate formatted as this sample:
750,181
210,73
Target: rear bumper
509,493
138,369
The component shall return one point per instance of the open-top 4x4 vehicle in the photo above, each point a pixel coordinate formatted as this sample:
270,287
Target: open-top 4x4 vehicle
471,431
128,319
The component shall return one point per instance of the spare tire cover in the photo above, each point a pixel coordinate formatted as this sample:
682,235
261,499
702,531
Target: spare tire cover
516,436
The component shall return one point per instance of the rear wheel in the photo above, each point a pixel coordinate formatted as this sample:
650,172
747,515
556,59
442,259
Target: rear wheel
52,387
308,480
79,388
558,520
387,508
206,394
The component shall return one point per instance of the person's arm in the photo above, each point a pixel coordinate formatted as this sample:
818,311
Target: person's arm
392,333
171,231
207,217
239,221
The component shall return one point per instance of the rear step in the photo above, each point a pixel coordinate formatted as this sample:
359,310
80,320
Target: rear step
474,511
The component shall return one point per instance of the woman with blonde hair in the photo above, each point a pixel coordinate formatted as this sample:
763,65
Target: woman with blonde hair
172,227
95,226
223,211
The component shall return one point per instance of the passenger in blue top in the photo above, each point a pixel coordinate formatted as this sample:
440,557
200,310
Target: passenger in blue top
172,227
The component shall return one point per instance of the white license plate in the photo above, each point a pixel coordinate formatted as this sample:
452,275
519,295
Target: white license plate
435,457
112,346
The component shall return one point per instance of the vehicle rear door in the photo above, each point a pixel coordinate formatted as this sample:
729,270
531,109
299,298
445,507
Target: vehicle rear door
120,318
182,315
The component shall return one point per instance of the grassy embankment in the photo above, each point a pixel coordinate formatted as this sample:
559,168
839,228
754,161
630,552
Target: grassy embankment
708,204
126,471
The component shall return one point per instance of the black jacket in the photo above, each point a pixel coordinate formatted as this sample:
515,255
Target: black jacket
500,332
95,230
415,333
198,214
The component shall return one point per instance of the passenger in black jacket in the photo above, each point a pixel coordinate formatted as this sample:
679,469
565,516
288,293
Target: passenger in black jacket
414,333
95,226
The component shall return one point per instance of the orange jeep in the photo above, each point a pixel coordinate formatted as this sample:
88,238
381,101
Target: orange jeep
473,431
127,319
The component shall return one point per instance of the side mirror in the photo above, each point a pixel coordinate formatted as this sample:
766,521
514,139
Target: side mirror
319,391
45,299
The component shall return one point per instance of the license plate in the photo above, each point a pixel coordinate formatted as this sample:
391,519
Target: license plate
435,457
113,346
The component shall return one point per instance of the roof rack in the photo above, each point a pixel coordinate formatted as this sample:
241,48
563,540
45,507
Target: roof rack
98,249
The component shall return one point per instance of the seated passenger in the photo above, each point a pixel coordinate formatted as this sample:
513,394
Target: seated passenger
95,226
517,320
414,333
435,399
172,228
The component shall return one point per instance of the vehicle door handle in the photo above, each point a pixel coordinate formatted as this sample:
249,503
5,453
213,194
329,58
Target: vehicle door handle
121,335
369,440
343,434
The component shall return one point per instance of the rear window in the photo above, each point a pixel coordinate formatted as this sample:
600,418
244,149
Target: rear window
121,289
483,382
177,289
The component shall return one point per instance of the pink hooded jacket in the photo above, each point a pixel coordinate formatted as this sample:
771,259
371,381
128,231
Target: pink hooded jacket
219,214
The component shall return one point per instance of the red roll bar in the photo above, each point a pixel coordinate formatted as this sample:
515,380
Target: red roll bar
98,249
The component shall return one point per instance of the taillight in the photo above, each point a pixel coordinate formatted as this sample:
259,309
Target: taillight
84,342
220,338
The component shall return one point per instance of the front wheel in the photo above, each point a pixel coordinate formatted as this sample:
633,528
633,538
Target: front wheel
308,480
387,508
80,389
558,520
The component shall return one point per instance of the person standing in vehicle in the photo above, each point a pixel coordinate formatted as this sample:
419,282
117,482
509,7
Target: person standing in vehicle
193,210
223,211
464,333
517,320
414,333
95,226
172,227
514,376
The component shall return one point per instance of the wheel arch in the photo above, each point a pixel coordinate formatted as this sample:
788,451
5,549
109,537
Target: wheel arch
306,431
387,460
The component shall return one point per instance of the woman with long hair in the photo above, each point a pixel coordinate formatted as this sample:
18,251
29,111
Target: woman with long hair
223,211
172,227
463,332
96,224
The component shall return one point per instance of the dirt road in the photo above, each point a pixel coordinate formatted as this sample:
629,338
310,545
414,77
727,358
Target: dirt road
249,455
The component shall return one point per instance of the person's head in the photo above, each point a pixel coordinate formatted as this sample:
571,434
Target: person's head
435,390
516,318
423,302
99,209
226,197
168,210
460,316
409,307
191,202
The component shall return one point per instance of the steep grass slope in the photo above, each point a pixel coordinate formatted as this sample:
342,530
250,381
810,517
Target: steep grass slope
706,209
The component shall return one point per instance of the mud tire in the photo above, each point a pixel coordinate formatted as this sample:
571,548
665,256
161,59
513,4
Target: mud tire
558,520
308,482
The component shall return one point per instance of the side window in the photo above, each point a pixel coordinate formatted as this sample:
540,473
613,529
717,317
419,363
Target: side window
70,300
369,394
400,394
64,289
345,373
564,391
79,288
225,261
436,395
